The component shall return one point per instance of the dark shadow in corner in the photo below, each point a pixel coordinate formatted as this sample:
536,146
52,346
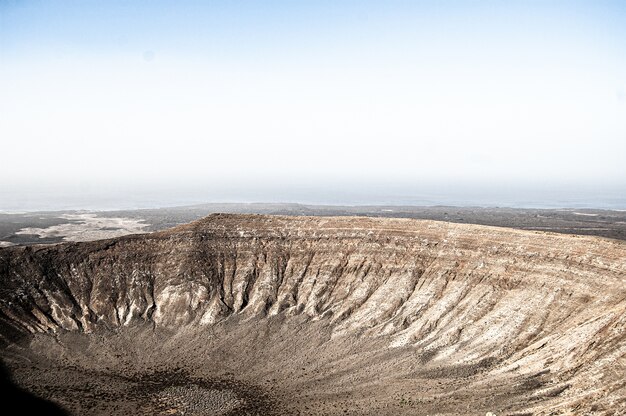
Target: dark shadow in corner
23,402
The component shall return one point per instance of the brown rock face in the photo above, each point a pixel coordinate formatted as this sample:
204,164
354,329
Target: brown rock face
324,316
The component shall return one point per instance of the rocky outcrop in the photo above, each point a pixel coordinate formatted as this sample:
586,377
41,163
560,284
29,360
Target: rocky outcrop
508,306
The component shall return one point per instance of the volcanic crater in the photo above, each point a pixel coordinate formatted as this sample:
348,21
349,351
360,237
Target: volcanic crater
255,314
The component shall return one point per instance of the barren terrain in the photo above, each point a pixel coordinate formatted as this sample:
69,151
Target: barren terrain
58,226
253,314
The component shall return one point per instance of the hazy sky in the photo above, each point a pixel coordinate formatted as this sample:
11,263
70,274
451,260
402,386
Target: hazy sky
259,97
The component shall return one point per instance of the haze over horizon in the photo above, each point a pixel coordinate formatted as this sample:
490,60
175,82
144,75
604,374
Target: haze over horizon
122,104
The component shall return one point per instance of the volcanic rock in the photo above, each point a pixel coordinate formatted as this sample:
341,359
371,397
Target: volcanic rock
252,314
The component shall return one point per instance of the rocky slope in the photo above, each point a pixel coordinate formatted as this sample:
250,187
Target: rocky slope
315,315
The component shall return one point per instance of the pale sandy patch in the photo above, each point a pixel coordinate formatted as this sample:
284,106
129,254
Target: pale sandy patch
89,227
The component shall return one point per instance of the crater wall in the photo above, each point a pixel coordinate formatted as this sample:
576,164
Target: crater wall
380,316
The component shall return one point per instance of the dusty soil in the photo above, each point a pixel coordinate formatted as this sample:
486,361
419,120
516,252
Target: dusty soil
164,392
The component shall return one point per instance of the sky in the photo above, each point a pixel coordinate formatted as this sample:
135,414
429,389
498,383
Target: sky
128,104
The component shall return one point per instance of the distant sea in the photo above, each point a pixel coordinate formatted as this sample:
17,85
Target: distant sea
15,201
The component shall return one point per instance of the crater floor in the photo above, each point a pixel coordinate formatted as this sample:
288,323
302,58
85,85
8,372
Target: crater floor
252,314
